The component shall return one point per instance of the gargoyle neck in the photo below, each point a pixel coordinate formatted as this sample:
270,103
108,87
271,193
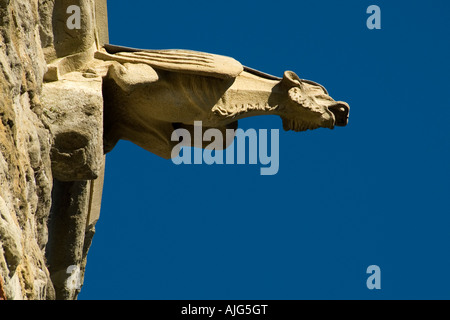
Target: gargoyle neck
249,96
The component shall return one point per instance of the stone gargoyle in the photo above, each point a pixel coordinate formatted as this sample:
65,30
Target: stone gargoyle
149,93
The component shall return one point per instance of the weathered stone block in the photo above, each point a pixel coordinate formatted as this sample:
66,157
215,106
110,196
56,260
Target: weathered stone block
73,107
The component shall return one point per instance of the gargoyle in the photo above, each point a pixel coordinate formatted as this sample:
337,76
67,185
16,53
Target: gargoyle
149,93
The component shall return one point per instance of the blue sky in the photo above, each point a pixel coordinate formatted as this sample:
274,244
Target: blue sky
372,193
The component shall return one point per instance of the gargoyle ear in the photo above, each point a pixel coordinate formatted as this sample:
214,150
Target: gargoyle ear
290,79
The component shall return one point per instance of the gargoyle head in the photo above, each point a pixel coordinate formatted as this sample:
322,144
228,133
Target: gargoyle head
309,106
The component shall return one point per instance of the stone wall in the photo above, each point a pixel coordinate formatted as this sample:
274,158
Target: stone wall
51,150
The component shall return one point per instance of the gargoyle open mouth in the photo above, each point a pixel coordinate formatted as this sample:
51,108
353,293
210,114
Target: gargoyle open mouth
340,111
298,125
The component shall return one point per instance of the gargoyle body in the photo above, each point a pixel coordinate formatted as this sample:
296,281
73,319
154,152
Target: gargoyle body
149,93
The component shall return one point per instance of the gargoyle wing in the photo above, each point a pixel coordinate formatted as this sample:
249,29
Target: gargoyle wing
184,61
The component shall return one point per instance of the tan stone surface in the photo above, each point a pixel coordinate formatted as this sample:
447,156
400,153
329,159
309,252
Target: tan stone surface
101,17
47,131
73,108
148,93
25,167
61,88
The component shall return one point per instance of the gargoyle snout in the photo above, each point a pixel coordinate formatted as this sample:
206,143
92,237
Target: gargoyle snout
341,111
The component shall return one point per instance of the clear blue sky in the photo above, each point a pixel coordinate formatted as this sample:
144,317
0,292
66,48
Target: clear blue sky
373,193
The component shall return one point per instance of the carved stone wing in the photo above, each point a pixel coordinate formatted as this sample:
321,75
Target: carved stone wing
184,61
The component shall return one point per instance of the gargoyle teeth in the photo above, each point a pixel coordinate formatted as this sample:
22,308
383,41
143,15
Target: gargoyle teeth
298,125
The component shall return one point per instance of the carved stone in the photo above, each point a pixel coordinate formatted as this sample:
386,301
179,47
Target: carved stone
149,93
66,98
